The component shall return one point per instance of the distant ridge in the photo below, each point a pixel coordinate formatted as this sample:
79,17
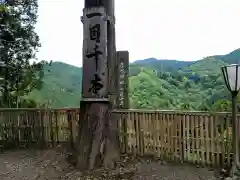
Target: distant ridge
153,83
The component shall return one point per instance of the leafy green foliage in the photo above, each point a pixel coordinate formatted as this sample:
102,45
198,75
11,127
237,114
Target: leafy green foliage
61,86
195,86
18,45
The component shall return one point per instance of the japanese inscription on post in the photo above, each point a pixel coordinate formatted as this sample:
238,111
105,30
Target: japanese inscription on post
121,84
95,53
123,59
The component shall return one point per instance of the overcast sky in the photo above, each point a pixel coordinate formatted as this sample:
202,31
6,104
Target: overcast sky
164,29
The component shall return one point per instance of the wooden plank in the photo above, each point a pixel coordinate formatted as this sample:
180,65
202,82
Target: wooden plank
128,145
121,133
222,141
141,128
180,141
212,127
197,145
184,139
138,131
154,133
208,141
228,141
151,132
177,135
147,135
162,135
217,140
188,137
202,141
193,138
133,134
158,135
169,137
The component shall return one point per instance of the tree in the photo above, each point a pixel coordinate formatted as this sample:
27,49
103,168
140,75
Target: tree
222,105
18,45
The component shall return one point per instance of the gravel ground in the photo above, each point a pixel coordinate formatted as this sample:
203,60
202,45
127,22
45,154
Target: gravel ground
52,165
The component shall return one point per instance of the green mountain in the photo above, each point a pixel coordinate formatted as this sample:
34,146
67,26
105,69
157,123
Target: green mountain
154,84
62,86
163,64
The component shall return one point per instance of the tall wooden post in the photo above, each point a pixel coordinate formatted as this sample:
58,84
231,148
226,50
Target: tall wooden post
122,93
112,143
123,73
94,104
98,135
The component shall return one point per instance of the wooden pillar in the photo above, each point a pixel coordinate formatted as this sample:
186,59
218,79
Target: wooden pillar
98,135
94,104
123,73
112,150
122,93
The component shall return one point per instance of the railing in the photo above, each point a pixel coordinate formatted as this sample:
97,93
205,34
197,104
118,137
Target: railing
41,127
195,137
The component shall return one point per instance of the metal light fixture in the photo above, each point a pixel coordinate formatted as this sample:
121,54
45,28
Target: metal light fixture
231,74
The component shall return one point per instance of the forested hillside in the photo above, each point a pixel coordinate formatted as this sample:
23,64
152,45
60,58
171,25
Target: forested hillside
154,84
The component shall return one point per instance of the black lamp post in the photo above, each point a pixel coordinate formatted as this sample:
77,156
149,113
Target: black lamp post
231,74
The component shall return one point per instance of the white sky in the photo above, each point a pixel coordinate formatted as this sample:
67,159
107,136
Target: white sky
164,29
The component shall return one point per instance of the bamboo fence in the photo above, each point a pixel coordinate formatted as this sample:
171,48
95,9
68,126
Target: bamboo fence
196,137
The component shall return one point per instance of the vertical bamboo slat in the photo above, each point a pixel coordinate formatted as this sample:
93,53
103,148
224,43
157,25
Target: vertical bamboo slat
132,134
158,135
141,138
217,140
227,140
175,120
188,137
222,150
172,131
129,129
212,140
202,142
137,129
206,118
154,135
197,127
184,139
151,133
168,136
162,136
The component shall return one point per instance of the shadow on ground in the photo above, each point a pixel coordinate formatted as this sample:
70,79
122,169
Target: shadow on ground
52,165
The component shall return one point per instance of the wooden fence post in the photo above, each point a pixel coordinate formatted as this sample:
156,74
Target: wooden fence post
57,127
51,113
42,124
122,94
71,129
182,131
